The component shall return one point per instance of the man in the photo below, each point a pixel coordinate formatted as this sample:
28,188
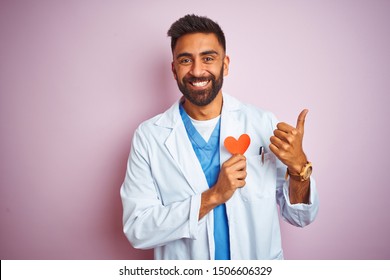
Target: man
185,194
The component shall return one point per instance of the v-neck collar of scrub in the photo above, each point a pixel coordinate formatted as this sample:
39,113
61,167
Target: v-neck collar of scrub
195,135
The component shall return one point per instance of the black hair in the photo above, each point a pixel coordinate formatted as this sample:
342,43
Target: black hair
195,24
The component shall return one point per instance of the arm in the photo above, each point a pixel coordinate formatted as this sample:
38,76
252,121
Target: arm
286,144
298,200
299,192
147,222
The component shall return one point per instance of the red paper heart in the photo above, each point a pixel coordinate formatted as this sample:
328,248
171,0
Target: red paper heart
237,146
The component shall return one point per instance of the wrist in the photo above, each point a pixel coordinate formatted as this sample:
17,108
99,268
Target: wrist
298,165
211,197
208,203
303,175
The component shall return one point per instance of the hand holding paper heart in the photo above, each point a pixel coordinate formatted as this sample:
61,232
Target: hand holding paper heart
233,171
286,143
231,177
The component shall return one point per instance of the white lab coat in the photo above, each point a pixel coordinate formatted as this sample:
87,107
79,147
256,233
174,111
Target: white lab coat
161,193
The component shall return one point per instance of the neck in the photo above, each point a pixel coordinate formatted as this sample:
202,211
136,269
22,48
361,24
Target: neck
207,112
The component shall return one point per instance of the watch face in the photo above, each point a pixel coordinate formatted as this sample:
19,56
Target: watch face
308,172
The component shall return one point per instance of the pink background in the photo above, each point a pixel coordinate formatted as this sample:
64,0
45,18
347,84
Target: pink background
77,77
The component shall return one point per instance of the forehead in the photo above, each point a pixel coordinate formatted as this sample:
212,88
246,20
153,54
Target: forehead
195,43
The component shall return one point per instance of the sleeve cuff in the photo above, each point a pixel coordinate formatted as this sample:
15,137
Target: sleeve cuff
194,215
313,200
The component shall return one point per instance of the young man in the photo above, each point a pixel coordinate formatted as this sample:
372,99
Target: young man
185,194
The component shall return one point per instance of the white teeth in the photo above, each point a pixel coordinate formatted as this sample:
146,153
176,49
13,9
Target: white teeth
200,84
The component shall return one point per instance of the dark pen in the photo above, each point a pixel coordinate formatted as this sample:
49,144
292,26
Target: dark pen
261,152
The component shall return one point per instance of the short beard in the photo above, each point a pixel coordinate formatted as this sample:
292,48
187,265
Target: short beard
201,97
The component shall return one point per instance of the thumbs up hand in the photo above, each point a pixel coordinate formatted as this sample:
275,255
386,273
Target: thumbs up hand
286,144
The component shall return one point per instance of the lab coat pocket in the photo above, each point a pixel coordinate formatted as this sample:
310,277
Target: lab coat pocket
261,177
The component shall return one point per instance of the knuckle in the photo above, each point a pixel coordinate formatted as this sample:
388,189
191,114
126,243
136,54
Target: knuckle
287,150
226,169
289,139
230,177
282,154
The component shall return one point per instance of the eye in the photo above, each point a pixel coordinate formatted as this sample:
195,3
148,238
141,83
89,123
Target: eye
208,59
185,61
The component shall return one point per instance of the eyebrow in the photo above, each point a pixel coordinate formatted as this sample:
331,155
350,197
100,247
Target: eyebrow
202,53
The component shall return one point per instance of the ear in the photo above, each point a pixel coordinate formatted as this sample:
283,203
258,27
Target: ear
174,71
226,62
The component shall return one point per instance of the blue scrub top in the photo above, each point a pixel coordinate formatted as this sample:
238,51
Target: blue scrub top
208,156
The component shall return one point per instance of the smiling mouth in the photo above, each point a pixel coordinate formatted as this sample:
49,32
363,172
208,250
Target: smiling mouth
200,83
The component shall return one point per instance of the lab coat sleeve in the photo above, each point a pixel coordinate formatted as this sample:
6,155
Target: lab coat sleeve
147,223
299,214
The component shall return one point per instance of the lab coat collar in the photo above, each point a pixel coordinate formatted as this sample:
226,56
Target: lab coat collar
170,118
177,142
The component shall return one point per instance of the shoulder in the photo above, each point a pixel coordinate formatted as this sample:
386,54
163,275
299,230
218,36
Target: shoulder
149,125
160,124
251,111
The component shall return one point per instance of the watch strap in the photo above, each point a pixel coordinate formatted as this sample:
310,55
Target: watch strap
302,176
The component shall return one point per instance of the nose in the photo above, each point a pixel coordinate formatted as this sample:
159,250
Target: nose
197,68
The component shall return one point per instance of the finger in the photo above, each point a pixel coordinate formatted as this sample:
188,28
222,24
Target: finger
285,127
241,184
301,120
241,175
274,149
279,153
281,145
283,136
239,166
234,159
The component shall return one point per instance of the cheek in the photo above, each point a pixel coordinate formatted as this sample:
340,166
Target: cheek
174,73
179,74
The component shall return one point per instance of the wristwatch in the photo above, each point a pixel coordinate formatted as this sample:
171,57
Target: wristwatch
306,171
